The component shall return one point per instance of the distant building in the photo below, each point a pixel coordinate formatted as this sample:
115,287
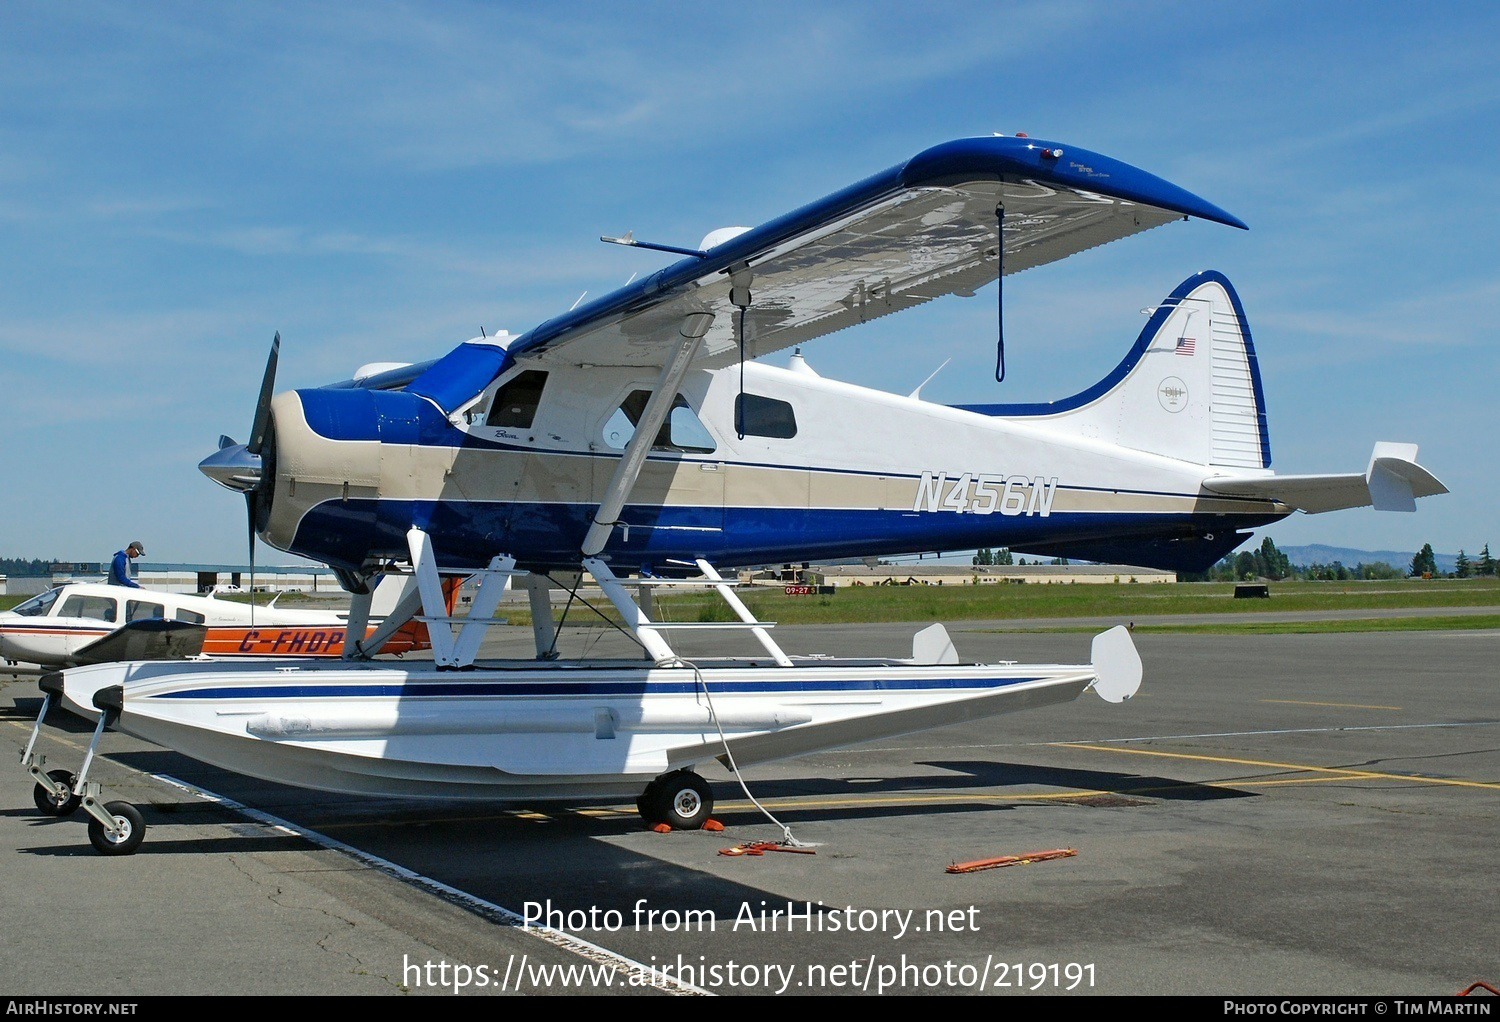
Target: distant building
188,578
840,575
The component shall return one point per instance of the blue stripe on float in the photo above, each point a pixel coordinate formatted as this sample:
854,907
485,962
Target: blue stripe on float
423,690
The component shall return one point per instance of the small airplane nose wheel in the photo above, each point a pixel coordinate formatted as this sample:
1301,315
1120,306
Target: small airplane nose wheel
131,827
50,802
681,799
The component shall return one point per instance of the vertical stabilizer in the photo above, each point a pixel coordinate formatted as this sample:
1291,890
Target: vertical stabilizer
1188,389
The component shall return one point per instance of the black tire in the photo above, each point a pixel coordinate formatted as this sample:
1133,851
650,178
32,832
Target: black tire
682,800
646,803
128,819
49,803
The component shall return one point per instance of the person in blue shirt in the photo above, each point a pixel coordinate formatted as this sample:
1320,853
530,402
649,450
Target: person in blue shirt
119,568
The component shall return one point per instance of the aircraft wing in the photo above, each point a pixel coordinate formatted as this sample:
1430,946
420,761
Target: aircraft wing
1392,482
915,232
148,639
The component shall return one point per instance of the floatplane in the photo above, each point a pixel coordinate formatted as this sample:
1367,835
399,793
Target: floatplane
638,441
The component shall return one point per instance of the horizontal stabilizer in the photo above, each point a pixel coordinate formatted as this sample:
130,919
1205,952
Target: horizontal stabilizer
1393,482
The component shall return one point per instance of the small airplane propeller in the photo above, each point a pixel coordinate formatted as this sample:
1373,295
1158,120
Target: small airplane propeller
239,467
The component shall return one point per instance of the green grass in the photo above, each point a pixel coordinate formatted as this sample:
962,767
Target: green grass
1005,602
1464,622
1460,622
1123,601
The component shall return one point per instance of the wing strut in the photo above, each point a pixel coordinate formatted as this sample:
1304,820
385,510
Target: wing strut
694,326
450,652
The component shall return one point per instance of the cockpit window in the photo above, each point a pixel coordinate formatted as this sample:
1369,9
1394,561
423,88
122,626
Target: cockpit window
764,416
38,605
99,608
516,401
682,432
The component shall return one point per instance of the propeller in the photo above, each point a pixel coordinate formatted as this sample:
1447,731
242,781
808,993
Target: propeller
240,467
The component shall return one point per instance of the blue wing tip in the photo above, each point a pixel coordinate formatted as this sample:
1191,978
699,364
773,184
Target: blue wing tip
1018,156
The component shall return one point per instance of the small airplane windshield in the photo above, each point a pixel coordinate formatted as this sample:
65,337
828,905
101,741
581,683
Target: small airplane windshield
38,605
682,432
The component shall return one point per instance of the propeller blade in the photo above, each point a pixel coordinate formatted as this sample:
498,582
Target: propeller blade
263,406
226,441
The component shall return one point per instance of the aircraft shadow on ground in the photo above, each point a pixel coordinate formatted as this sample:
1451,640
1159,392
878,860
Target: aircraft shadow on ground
57,718
988,780
508,855
503,855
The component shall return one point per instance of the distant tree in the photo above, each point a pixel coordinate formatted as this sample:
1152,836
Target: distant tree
1272,563
1424,563
1377,571
1486,565
25,566
983,556
1461,567
1245,565
1002,556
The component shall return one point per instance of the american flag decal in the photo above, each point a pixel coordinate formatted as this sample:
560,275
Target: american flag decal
1185,345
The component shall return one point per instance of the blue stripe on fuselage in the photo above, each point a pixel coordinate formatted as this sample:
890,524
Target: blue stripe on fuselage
467,534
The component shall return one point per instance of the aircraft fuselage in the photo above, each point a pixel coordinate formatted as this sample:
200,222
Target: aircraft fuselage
816,469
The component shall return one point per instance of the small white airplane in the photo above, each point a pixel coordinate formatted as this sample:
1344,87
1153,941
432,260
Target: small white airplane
637,434
89,622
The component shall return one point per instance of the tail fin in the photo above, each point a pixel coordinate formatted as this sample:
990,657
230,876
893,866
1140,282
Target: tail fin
1188,389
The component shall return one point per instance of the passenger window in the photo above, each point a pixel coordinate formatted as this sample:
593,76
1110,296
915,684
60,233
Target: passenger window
191,616
98,608
682,431
140,610
516,401
764,416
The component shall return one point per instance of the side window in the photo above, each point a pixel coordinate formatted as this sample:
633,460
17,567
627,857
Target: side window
764,416
682,431
99,608
190,616
140,610
516,401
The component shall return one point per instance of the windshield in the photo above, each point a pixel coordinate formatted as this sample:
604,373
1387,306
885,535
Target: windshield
38,606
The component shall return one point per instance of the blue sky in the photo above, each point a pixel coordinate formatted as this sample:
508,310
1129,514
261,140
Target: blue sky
178,181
